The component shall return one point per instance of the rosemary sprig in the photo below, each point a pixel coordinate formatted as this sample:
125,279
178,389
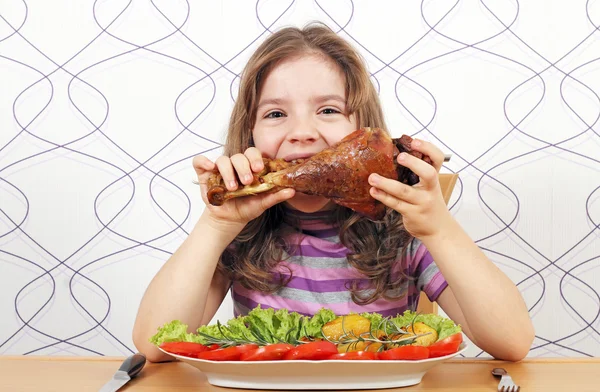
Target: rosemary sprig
227,340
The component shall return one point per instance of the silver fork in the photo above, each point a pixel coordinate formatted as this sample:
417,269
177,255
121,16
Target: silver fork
506,383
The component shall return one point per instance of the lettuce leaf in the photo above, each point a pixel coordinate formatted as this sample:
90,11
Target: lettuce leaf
211,330
288,326
312,326
263,324
175,331
234,329
443,326
375,319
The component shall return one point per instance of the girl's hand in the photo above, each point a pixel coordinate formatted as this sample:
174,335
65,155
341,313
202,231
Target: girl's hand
236,213
422,206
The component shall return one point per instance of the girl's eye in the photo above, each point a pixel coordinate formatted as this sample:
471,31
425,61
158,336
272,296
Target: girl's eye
330,111
275,114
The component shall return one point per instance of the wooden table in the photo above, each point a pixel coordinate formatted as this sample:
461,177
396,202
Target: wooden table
31,373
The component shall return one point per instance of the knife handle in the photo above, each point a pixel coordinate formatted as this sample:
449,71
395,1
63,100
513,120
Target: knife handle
133,365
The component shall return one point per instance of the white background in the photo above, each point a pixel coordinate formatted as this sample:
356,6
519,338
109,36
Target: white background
103,104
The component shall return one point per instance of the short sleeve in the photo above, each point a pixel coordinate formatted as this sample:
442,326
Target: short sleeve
428,277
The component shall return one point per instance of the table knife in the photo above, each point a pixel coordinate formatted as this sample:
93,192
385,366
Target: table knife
128,370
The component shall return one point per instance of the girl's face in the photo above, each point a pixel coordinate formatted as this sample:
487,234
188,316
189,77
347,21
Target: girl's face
301,111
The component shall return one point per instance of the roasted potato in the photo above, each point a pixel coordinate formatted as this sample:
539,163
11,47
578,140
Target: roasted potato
353,324
421,328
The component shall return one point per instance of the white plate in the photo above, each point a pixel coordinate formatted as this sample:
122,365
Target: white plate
328,374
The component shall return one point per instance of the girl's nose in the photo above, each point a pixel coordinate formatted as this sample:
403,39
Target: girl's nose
303,132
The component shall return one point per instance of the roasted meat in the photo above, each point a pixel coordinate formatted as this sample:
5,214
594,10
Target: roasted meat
339,172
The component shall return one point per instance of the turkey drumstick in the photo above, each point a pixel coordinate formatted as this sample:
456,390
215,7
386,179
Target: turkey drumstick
339,173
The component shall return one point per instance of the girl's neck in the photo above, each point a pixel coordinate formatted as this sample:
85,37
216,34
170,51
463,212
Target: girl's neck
309,222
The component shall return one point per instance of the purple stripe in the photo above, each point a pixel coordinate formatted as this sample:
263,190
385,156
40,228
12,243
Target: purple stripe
434,296
330,285
425,262
322,286
250,304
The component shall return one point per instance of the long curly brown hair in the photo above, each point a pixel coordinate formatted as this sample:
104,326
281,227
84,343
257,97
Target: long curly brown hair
374,247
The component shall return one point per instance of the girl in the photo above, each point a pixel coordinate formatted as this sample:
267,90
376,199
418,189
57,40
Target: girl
302,91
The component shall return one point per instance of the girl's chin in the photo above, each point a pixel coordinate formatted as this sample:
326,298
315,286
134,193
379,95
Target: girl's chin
307,203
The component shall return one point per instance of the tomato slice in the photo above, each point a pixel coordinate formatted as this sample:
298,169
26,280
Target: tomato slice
227,354
405,352
355,355
187,349
312,351
446,346
269,352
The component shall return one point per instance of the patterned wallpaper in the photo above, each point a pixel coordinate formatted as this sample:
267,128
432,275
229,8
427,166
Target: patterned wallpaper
103,104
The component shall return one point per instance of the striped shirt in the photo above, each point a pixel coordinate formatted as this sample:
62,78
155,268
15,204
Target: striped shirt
321,276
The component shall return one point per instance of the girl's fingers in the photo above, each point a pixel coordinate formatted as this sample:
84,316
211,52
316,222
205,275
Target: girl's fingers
428,175
395,188
226,169
276,197
389,200
202,164
431,150
203,167
242,167
250,207
255,158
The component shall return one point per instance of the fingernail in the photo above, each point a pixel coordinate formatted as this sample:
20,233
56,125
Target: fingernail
248,177
402,156
232,184
373,178
416,143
